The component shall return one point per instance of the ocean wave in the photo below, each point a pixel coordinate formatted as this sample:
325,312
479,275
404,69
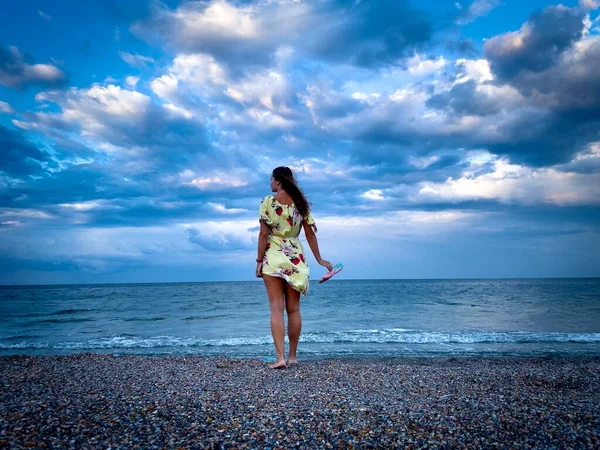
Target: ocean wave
387,336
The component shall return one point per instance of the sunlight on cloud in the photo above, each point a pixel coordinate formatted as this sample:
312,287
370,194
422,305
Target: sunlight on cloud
268,89
268,119
367,98
177,111
589,5
216,182
198,69
220,208
132,81
6,213
592,152
113,100
164,86
420,67
220,17
373,194
424,162
469,69
16,72
91,205
510,183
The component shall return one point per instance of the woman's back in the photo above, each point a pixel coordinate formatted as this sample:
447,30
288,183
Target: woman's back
283,219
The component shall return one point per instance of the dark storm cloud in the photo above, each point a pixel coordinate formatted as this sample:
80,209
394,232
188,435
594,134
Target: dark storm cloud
149,135
139,181
571,85
115,201
15,264
19,157
541,42
19,71
543,106
365,33
556,78
217,242
463,47
547,139
464,99
372,33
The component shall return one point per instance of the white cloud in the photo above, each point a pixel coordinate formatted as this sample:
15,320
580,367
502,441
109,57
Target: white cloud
217,181
478,8
132,81
210,26
45,16
17,73
101,113
178,111
367,98
198,69
268,89
6,108
164,86
592,152
112,100
423,162
510,183
266,119
197,75
221,18
221,209
420,67
373,194
589,5
24,213
469,69
90,205
136,60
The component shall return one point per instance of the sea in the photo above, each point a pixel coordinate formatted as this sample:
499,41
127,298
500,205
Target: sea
341,318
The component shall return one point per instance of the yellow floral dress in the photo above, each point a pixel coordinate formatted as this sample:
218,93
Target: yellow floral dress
285,256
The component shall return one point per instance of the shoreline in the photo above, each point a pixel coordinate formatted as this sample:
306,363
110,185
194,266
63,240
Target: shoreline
320,358
91,400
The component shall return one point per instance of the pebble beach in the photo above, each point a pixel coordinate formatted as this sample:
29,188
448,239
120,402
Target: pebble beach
89,401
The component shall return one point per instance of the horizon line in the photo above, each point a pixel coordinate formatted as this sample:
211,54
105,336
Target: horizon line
338,281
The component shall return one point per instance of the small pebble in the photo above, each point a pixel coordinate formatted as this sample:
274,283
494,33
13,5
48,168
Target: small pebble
89,401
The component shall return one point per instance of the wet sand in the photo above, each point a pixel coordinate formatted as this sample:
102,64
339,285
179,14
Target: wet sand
102,401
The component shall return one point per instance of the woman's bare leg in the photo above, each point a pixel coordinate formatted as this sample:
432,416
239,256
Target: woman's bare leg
292,306
275,290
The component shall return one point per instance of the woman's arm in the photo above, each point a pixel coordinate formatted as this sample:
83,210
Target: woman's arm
263,239
311,238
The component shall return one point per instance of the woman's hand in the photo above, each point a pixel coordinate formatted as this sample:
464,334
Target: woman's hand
259,270
325,264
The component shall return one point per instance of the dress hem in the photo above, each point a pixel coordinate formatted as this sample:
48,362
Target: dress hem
283,277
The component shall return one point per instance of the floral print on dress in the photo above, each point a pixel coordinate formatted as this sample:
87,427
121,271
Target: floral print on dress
284,255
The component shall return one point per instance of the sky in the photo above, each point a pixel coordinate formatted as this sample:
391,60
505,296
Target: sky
433,139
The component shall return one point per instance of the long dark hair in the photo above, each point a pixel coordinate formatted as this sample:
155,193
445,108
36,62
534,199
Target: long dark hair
288,183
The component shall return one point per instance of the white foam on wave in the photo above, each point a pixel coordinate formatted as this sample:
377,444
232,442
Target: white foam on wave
385,336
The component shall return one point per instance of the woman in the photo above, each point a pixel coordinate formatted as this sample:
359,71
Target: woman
281,261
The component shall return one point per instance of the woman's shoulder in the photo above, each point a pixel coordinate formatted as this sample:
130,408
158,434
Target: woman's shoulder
267,200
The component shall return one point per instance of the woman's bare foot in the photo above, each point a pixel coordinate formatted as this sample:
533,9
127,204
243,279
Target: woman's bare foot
292,362
277,365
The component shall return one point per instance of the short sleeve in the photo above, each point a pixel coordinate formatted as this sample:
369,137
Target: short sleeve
264,211
310,221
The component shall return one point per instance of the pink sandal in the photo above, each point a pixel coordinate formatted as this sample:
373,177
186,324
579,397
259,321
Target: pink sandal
335,269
